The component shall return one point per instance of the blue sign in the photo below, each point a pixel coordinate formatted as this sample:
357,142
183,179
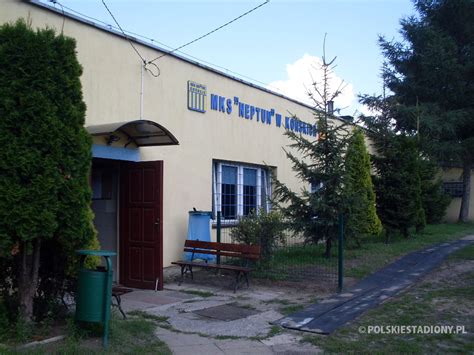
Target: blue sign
263,115
266,116
196,96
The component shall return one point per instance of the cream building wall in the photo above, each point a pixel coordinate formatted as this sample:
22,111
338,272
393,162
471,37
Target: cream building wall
452,212
111,87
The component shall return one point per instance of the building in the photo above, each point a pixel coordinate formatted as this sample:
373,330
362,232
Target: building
168,137
190,137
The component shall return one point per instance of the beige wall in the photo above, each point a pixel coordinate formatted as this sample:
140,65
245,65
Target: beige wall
452,212
111,87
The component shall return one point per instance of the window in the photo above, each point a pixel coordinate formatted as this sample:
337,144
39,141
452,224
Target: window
239,189
229,192
453,188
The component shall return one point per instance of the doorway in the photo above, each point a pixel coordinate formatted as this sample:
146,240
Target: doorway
127,200
140,224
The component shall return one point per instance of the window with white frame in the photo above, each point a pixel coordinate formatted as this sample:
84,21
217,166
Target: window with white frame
239,189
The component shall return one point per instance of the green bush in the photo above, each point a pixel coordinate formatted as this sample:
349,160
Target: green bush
45,160
262,228
4,322
361,216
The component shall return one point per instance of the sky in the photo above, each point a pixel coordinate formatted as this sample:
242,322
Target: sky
277,46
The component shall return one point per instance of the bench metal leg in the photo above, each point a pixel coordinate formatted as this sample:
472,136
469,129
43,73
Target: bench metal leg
238,276
182,275
246,279
119,305
184,270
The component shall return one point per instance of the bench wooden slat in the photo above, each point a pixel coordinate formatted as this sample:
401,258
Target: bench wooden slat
241,251
222,253
214,266
239,248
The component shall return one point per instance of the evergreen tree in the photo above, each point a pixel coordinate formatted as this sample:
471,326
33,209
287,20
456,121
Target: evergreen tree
320,163
431,74
45,156
397,176
361,217
433,198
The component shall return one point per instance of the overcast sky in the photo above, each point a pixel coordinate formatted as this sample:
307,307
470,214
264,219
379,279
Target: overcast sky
278,45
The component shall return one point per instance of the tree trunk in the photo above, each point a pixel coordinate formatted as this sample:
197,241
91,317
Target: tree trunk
405,232
28,278
327,254
466,195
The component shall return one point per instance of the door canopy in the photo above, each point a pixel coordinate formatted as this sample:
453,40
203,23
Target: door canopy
142,133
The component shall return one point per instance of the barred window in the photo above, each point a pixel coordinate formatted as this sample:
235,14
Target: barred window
239,189
453,188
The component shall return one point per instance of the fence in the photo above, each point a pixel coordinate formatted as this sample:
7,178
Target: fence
293,259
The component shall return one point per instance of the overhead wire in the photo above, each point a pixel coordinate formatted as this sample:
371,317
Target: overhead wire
123,32
211,32
173,50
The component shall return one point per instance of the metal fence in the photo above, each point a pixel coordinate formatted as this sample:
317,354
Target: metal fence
292,259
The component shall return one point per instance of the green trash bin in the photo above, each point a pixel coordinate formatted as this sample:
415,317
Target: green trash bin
94,291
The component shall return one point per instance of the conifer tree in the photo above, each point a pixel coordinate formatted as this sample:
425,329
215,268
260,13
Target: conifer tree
319,163
397,176
361,216
431,74
45,157
434,199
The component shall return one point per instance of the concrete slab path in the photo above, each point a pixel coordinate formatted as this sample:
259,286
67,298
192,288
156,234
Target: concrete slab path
330,314
185,344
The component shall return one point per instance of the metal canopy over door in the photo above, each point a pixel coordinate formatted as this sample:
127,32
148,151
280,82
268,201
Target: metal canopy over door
141,232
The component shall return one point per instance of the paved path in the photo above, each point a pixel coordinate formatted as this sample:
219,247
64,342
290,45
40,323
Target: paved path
334,312
186,344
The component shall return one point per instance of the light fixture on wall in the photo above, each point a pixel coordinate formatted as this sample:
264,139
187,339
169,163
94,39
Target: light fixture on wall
110,139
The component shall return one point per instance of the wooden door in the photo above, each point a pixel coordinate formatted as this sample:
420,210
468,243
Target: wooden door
141,229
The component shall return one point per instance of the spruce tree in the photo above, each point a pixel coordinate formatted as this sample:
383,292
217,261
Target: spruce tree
431,74
397,175
361,216
45,157
434,199
319,163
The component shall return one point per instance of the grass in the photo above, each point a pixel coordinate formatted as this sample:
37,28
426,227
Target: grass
437,300
149,316
287,310
131,336
360,262
274,330
282,301
204,294
466,253
372,256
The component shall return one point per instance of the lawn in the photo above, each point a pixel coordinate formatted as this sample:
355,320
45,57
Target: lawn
134,335
445,297
372,256
308,261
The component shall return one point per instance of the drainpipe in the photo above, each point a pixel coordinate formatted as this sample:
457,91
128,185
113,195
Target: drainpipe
141,90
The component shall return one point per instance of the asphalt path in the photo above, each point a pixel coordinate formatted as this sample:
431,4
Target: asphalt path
334,312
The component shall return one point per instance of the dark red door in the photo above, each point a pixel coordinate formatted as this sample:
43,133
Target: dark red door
141,231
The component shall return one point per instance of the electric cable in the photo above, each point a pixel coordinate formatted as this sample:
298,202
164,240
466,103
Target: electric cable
211,32
123,32
138,35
